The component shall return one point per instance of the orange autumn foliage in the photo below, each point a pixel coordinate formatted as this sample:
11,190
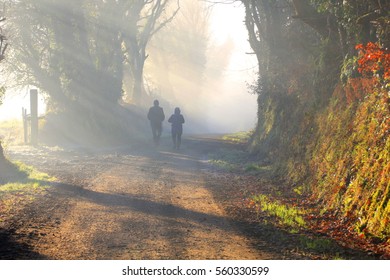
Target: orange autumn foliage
357,88
374,61
374,67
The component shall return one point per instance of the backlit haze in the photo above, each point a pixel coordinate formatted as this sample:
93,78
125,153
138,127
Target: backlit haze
233,101
225,105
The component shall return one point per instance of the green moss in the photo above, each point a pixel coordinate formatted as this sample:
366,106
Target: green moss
289,216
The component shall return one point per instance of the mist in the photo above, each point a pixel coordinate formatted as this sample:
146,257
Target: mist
98,76
14,101
212,89
232,107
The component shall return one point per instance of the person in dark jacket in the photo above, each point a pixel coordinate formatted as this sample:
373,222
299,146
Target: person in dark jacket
177,121
156,117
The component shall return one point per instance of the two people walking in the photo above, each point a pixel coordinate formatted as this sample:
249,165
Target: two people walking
156,117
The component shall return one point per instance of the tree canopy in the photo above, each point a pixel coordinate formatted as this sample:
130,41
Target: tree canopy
76,51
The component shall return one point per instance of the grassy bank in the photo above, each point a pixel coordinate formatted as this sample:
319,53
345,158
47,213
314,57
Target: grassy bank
20,184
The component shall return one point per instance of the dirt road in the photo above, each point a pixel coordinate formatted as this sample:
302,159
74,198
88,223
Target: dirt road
146,202
131,203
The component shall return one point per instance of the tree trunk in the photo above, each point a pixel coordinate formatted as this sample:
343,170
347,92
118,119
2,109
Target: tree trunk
1,153
324,24
137,63
327,26
138,87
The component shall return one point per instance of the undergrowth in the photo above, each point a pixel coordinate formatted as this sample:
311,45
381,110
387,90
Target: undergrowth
338,155
351,162
241,137
287,215
22,186
11,132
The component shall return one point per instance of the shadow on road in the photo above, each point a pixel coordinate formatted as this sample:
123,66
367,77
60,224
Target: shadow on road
11,249
265,237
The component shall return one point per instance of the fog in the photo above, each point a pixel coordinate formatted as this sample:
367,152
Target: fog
233,108
219,101
199,62
14,101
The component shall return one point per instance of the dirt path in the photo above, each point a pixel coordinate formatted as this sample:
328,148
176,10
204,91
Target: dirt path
131,203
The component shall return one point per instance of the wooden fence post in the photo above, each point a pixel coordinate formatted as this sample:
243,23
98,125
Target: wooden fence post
34,116
25,125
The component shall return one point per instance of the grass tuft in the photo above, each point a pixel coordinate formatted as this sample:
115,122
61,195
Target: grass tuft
24,186
289,216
